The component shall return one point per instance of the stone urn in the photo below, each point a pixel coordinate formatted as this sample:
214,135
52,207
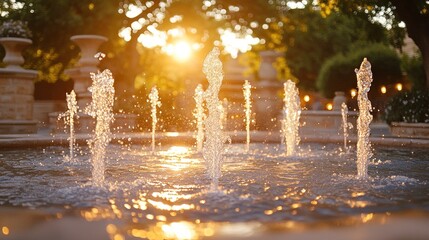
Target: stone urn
13,48
88,45
87,64
338,100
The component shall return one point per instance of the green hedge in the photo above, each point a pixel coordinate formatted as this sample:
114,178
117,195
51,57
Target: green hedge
413,66
411,107
337,73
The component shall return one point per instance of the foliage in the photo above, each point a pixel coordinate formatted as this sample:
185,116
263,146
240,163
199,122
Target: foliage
311,39
394,13
337,72
53,22
16,28
413,66
410,107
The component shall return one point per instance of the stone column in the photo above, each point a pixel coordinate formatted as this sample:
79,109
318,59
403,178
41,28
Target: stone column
232,90
267,103
16,90
87,64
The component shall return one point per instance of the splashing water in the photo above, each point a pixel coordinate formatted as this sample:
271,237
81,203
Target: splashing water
213,145
154,102
199,115
346,125
292,112
100,108
69,116
247,110
364,153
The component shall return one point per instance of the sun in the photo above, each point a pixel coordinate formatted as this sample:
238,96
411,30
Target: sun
181,50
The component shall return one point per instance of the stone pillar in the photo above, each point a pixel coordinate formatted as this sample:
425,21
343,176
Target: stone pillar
16,90
232,90
87,64
267,103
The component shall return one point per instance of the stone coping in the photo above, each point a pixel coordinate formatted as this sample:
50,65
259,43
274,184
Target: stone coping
187,138
416,125
325,113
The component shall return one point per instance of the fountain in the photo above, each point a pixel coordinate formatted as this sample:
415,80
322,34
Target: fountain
154,103
213,145
69,117
199,116
265,193
292,112
364,152
247,110
100,108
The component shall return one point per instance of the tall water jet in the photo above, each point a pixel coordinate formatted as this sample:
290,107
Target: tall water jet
199,116
100,108
292,112
364,153
154,102
213,145
346,125
69,117
247,110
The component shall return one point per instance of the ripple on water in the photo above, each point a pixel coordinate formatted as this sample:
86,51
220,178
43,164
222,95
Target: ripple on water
260,185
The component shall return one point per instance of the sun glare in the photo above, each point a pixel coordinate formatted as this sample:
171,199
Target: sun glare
235,43
181,51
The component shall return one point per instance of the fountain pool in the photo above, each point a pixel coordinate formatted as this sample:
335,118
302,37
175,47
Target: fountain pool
167,195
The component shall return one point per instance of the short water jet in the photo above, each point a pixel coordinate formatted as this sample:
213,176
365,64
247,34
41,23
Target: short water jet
292,112
69,117
247,110
199,116
345,124
154,103
100,108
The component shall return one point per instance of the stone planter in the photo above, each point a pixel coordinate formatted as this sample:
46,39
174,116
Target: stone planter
326,123
16,90
410,130
13,49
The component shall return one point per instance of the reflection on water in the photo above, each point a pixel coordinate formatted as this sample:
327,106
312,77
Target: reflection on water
167,195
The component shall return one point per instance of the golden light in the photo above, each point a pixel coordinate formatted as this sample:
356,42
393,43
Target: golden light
329,106
353,93
179,230
174,151
234,42
5,230
182,50
383,89
306,98
398,86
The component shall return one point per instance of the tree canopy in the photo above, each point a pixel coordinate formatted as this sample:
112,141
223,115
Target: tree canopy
311,39
140,32
414,13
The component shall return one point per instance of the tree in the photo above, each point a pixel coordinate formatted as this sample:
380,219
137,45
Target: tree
53,22
414,13
311,39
